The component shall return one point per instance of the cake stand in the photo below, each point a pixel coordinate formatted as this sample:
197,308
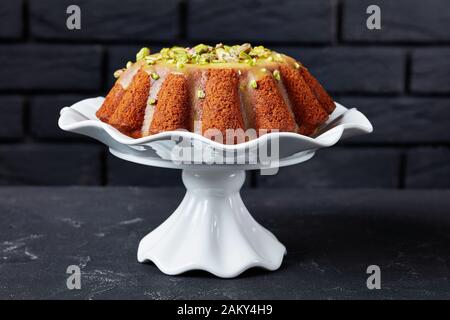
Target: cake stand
212,229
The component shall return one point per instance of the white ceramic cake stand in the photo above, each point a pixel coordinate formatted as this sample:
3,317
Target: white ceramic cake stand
212,229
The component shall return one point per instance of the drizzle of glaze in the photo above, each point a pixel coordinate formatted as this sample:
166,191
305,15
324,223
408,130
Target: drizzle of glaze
198,75
286,99
127,76
155,86
197,81
244,98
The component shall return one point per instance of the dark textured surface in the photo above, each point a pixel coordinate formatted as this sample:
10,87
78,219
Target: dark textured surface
431,70
401,21
331,238
106,20
261,20
341,168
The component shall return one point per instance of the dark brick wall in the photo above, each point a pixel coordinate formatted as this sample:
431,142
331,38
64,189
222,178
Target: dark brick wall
399,76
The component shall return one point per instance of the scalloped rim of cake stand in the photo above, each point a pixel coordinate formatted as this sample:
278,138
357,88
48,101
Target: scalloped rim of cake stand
342,123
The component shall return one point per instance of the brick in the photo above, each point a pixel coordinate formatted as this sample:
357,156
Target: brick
141,20
403,120
46,67
340,168
401,21
50,165
121,172
354,70
11,119
261,20
44,115
430,71
428,168
11,19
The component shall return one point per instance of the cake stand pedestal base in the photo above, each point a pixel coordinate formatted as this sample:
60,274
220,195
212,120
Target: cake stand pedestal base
211,230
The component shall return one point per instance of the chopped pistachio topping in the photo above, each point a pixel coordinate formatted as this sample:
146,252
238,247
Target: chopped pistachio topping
117,73
244,56
155,76
129,64
277,75
151,101
202,48
180,64
144,52
253,84
297,65
251,62
150,60
203,54
200,94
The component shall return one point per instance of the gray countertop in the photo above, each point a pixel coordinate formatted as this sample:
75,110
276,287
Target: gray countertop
332,236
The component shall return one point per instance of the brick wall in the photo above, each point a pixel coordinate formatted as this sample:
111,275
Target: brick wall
398,76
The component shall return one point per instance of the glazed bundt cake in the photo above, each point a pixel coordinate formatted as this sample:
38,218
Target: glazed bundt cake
220,88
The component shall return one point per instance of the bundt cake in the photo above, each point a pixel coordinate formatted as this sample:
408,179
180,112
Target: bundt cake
215,88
